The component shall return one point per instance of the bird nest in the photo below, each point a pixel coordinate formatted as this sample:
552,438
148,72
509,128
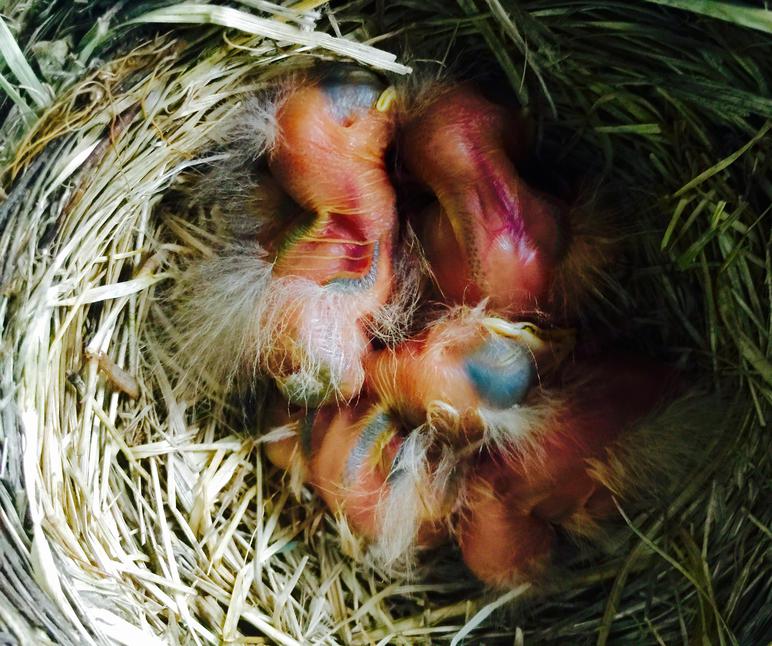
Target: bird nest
132,512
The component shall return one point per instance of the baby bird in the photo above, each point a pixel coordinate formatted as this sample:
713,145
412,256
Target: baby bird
514,502
365,464
469,374
310,271
489,235
329,157
393,475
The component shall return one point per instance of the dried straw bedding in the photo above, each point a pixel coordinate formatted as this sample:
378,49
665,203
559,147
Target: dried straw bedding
151,517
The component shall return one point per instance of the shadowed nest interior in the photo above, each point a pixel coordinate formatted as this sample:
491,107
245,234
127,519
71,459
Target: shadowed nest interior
131,511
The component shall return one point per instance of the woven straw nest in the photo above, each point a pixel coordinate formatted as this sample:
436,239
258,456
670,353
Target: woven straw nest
131,515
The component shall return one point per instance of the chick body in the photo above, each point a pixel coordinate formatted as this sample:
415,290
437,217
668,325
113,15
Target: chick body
507,236
329,157
551,482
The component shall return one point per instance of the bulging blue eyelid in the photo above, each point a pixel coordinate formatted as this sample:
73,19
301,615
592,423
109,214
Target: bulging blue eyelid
502,372
375,428
348,96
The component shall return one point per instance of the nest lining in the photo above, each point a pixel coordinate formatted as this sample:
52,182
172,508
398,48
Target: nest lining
156,518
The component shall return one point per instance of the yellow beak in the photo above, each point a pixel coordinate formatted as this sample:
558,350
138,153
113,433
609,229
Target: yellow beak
549,347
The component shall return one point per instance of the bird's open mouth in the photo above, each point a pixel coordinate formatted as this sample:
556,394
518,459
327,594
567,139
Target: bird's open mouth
335,251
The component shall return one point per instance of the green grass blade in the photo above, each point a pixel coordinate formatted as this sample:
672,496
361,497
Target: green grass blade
760,19
26,112
20,68
515,76
726,162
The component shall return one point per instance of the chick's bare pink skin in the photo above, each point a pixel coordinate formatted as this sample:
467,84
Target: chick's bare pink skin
523,496
352,458
329,156
424,370
500,544
332,137
353,467
489,235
